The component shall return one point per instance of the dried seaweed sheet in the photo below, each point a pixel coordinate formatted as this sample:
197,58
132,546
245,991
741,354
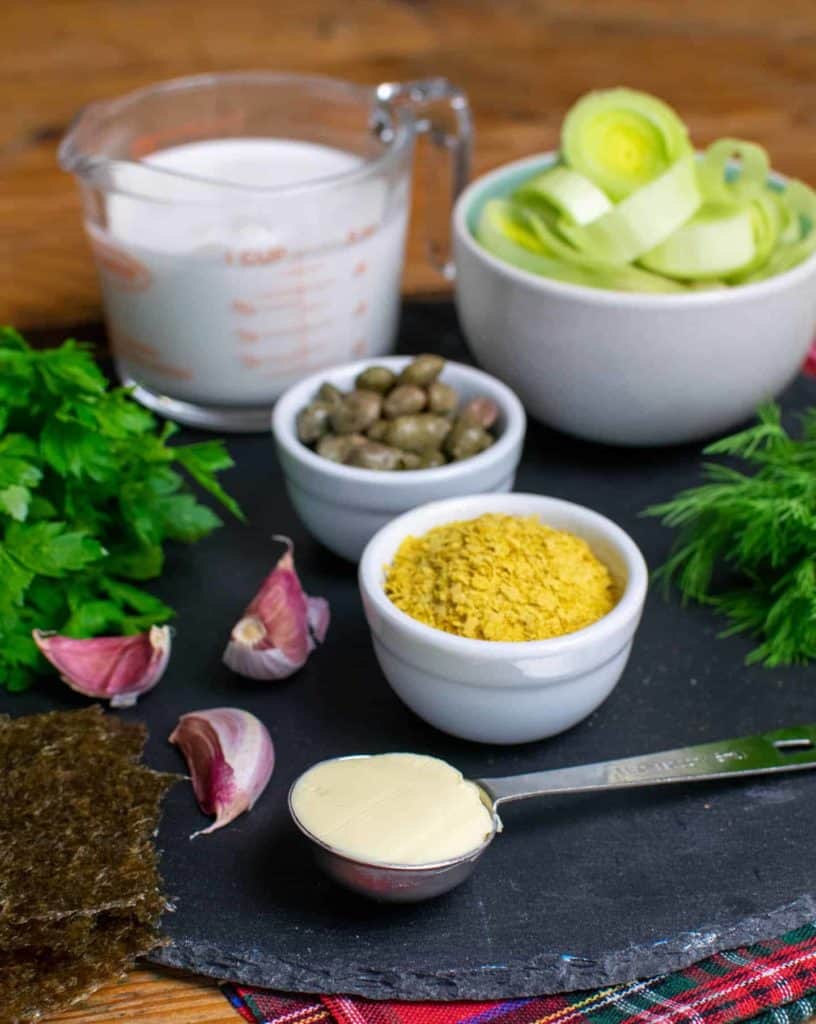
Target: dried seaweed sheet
79,884
78,819
35,981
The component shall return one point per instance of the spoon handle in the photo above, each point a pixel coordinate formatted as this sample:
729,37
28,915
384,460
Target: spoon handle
780,751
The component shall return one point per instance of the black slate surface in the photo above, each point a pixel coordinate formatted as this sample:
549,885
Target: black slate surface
577,892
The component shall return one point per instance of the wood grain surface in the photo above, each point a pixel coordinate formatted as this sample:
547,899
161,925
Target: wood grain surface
150,997
738,67
731,67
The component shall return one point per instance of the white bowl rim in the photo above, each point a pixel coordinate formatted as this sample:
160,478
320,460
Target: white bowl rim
608,297
471,506
511,409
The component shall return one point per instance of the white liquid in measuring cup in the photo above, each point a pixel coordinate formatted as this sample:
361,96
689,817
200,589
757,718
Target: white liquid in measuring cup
227,296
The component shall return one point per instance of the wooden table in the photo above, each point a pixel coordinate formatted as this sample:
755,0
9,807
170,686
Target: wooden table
731,67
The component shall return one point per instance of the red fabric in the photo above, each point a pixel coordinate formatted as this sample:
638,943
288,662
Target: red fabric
726,988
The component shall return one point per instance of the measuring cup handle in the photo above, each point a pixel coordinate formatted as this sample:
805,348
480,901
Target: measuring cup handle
780,751
441,115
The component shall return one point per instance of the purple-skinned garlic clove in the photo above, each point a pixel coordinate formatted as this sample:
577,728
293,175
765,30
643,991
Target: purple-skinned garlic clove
115,668
280,627
230,756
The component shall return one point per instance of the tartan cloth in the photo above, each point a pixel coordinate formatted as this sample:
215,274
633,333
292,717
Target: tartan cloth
771,982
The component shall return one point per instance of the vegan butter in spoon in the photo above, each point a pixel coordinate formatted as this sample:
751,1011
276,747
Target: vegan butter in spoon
400,809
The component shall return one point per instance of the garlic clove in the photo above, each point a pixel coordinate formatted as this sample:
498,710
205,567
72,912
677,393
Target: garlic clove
115,668
318,616
230,756
280,627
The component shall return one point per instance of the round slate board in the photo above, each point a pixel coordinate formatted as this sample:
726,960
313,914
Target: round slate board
578,892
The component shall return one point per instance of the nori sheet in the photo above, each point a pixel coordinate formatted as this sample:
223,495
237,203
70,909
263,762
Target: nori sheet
35,981
79,884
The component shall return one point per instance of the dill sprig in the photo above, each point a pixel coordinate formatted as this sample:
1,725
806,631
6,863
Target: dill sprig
746,542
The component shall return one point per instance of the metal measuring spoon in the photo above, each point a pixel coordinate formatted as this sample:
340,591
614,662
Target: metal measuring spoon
781,751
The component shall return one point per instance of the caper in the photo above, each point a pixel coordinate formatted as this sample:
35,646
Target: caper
337,448
442,399
376,378
313,422
329,394
430,460
418,433
404,400
356,413
410,460
372,455
422,371
467,439
377,430
481,412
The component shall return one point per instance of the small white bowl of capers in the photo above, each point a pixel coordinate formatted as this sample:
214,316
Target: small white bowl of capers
364,442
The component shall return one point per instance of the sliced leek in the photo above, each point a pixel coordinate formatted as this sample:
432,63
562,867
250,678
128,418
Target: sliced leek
630,208
567,192
800,240
750,177
621,139
504,230
716,242
644,219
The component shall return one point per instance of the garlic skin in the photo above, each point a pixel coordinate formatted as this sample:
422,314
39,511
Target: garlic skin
115,668
231,758
280,627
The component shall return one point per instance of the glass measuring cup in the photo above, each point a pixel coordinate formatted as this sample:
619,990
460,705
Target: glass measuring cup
249,228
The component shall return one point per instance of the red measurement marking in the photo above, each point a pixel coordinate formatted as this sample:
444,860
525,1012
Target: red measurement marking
250,337
296,366
361,268
301,269
242,307
254,257
120,268
301,289
305,307
359,348
145,355
298,330
357,235
251,362
361,308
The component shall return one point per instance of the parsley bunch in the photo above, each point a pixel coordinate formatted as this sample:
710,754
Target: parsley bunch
747,540
89,493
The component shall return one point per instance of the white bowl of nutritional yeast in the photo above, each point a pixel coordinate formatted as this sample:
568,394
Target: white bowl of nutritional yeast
512,692
343,506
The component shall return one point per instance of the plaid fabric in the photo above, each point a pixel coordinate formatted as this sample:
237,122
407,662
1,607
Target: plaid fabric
769,983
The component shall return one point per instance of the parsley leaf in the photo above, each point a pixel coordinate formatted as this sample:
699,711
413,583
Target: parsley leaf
89,497
50,548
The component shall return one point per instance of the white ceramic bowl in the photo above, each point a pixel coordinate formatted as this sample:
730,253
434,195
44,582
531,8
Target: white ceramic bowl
504,692
627,368
343,507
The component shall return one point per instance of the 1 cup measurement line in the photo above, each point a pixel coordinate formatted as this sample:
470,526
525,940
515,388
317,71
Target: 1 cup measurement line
261,303
302,270
292,355
319,284
293,331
